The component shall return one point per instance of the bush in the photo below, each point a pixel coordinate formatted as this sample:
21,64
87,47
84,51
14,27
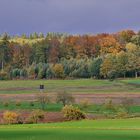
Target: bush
35,116
127,103
109,105
64,98
3,75
73,113
43,99
84,104
18,103
122,114
11,117
31,104
112,75
6,104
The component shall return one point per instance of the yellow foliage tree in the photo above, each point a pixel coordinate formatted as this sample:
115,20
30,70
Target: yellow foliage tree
58,70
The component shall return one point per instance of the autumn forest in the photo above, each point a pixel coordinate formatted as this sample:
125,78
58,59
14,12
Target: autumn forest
56,55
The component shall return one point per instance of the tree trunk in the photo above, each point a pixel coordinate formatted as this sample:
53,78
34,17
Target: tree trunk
124,75
2,65
136,74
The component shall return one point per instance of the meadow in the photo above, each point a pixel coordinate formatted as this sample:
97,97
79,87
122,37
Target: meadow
100,129
57,107
127,129
73,86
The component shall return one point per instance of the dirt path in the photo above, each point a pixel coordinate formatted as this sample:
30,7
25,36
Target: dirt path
93,98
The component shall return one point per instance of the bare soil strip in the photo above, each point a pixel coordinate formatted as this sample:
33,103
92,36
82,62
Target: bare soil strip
49,116
93,98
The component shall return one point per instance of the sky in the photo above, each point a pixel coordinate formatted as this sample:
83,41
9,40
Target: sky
68,16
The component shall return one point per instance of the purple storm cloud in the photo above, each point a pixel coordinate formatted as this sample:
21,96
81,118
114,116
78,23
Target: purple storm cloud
71,16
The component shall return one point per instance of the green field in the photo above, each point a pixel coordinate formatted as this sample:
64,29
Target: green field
128,129
73,86
56,107
117,129
26,106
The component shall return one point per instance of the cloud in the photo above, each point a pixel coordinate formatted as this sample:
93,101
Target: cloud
72,16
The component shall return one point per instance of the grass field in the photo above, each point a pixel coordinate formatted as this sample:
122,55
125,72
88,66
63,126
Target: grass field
73,86
26,106
93,108
128,129
117,129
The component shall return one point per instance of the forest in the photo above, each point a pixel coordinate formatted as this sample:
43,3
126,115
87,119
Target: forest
60,55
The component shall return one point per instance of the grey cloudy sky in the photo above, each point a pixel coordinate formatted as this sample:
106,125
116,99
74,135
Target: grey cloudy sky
71,16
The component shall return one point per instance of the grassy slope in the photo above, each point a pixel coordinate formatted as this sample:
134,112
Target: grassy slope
73,86
127,129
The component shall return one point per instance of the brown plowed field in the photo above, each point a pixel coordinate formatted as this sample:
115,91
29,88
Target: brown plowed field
93,98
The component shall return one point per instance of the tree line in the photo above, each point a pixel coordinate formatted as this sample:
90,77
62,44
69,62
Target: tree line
57,55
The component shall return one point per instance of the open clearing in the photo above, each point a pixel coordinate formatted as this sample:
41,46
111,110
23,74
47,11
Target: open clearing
73,86
128,129
96,91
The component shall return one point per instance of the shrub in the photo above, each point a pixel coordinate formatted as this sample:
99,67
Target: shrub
84,104
11,117
35,116
109,105
122,114
112,75
43,99
6,104
73,113
18,103
64,98
31,104
127,103
3,75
